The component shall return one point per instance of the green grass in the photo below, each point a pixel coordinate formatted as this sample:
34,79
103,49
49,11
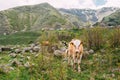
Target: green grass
19,38
97,66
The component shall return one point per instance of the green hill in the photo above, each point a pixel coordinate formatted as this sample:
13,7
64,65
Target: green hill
112,20
33,17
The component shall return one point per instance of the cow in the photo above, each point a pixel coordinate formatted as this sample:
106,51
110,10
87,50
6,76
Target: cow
74,53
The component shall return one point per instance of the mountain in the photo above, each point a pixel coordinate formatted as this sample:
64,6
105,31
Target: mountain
33,17
89,15
111,20
45,17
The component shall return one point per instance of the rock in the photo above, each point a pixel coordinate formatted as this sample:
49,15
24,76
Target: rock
21,60
21,56
32,45
5,68
27,64
16,63
52,48
63,49
6,49
58,53
36,55
26,49
13,55
85,54
91,51
17,51
102,51
113,75
36,49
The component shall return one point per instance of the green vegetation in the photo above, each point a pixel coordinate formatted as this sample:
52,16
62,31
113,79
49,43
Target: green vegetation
45,66
19,38
112,20
34,17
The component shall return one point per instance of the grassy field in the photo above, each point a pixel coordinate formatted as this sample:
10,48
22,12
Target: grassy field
19,38
97,66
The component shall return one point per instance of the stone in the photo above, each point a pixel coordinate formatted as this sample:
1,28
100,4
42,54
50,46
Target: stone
16,63
13,55
17,51
5,48
27,64
63,49
102,51
5,68
91,51
36,49
26,49
58,53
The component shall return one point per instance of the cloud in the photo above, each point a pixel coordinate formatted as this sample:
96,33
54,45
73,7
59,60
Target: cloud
5,4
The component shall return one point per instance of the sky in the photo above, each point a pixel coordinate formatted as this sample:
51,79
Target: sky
93,4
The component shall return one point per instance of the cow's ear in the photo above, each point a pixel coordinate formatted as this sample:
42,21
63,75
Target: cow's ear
71,43
81,43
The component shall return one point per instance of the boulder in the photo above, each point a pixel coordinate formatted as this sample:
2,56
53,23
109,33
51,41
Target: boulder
6,49
27,49
5,68
18,51
58,53
32,45
36,49
63,49
27,64
52,48
16,63
13,55
102,51
91,51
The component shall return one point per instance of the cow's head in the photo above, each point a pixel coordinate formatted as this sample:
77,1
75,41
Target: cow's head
76,45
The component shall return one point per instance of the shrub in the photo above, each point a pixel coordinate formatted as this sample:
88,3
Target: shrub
94,38
115,38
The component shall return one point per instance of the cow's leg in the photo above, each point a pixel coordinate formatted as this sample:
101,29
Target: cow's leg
69,60
79,61
74,62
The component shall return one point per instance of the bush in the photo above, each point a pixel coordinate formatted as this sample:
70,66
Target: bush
94,38
115,38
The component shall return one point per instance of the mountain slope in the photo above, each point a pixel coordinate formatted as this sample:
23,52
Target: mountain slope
34,17
89,15
112,20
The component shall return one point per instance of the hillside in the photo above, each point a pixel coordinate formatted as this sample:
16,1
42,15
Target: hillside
45,17
89,15
33,17
112,20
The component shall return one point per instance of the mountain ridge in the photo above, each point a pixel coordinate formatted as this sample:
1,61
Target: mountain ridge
45,17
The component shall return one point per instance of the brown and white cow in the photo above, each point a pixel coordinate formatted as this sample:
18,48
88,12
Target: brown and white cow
74,53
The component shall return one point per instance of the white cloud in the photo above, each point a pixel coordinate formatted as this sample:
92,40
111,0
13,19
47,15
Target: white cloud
5,4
